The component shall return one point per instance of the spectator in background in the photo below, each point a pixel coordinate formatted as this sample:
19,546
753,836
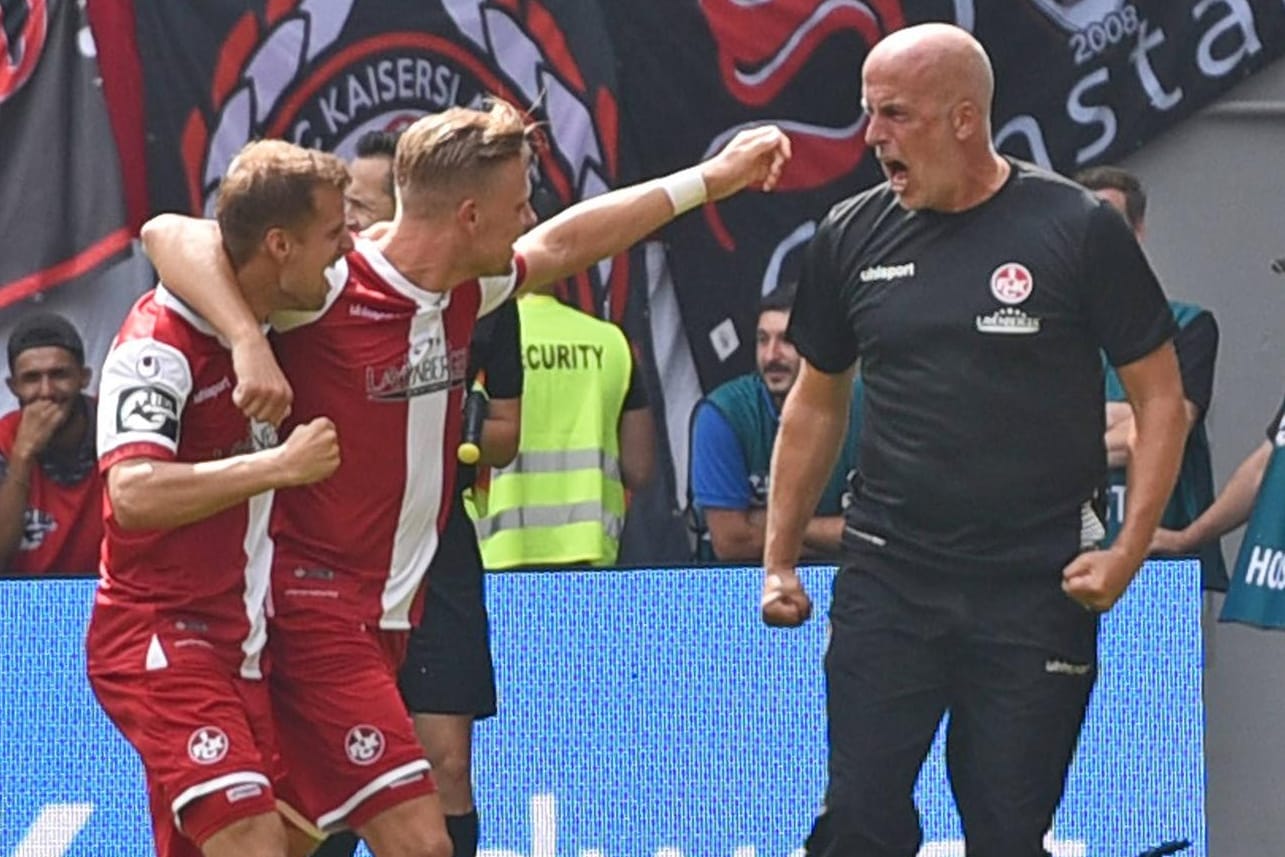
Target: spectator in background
587,435
372,195
1197,345
51,496
1234,503
733,429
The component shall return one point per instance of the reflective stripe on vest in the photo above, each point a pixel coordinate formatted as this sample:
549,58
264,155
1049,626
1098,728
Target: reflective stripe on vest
552,516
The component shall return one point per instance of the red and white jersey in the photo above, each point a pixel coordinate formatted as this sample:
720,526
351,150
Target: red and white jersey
166,394
62,526
386,361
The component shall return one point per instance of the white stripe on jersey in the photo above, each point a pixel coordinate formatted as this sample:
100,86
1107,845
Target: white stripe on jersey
258,576
416,539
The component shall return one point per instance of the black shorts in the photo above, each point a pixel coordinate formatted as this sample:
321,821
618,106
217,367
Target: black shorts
448,668
1012,659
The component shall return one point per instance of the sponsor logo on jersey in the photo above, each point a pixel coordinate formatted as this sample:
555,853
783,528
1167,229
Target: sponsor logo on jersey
425,371
1066,668
209,392
877,273
364,744
207,745
36,525
245,791
1009,320
1012,283
148,409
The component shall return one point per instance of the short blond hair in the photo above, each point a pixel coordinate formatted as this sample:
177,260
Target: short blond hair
458,147
270,184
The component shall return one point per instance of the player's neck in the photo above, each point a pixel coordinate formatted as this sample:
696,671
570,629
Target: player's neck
980,180
258,280
421,254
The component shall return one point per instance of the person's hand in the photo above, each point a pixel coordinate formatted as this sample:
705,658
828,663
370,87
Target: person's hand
784,603
262,391
1097,579
39,422
310,453
1169,542
753,158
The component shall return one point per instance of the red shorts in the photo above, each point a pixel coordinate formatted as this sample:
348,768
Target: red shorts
204,733
348,749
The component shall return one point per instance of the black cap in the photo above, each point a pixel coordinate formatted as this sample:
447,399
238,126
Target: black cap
44,329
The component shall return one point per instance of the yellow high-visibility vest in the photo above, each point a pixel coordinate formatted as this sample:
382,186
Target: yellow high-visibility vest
562,500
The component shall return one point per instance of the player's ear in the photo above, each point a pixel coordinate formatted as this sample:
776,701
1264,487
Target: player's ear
86,375
964,119
467,214
277,243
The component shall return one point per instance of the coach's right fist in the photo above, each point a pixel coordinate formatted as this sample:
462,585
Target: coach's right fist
310,453
784,603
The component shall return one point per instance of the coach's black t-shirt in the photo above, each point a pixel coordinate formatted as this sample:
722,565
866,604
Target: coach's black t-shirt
979,336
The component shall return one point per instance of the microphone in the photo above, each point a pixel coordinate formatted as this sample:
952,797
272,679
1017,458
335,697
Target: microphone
476,405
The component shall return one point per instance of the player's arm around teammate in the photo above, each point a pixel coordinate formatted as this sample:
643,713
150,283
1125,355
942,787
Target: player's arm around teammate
568,243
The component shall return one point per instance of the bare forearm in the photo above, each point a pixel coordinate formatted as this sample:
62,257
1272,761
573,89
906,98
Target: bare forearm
1117,443
806,449
500,441
190,261
1233,505
1152,471
824,535
13,508
162,495
592,230
737,534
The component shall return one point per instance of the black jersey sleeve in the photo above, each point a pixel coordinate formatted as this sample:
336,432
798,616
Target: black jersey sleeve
503,356
819,325
1197,347
1126,306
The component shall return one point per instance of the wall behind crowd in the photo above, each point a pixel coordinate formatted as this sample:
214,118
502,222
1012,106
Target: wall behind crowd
1217,202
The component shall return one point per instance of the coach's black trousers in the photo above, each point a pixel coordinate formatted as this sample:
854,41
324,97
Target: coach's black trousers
1013,661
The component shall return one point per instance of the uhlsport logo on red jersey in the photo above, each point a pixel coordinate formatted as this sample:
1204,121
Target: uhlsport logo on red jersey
1012,283
23,27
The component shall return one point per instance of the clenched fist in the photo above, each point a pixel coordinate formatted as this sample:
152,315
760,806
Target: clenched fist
310,453
753,158
784,603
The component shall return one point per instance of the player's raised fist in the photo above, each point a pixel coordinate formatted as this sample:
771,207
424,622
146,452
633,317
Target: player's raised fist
311,452
754,157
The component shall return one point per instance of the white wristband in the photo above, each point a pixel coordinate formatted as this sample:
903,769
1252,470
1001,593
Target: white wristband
685,189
